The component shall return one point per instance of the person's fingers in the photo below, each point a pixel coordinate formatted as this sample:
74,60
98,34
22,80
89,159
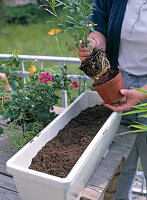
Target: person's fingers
123,100
117,108
83,54
83,49
124,92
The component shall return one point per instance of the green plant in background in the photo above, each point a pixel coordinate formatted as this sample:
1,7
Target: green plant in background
18,137
74,20
31,108
34,102
3,91
22,15
3,100
2,13
74,89
140,109
9,67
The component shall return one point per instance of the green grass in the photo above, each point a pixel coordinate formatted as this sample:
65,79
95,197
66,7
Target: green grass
33,39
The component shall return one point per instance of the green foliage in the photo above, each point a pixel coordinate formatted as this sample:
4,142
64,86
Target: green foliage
73,20
33,40
22,15
1,130
10,66
32,107
19,138
74,89
3,92
2,12
34,102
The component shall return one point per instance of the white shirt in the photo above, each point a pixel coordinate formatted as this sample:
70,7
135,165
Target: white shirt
133,41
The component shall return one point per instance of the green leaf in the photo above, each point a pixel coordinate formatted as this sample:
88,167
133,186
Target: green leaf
59,4
90,48
53,3
133,112
144,115
50,12
69,22
140,90
141,105
72,11
69,28
70,17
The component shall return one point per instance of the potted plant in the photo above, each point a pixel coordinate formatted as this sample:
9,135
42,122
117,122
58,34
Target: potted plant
40,185
96,66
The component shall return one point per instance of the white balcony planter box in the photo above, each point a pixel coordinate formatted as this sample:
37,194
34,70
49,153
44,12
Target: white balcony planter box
34,185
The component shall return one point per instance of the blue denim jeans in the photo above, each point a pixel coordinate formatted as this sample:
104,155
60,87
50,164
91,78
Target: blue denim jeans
129,168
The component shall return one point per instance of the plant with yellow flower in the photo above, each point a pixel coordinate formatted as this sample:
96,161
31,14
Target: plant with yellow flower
74,20
32,70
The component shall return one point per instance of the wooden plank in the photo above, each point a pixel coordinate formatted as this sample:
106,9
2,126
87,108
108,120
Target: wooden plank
8,195
5,153
94,195
8,189
7,183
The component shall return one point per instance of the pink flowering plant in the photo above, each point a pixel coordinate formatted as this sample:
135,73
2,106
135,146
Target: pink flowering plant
32,107
35,102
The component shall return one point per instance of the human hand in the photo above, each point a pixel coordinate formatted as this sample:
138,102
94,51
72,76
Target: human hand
97,41
130,99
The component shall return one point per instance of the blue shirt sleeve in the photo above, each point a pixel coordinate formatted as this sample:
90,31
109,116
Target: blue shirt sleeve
100,15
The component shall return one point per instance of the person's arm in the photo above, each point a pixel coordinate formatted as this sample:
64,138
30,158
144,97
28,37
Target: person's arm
131,98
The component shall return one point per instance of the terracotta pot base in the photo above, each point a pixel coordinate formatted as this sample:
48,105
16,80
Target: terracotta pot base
110,90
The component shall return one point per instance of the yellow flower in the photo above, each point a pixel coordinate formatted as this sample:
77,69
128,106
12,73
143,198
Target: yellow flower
90,25
32,69
54,31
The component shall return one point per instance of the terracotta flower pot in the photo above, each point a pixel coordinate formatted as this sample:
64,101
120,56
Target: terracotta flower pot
7,86
110,91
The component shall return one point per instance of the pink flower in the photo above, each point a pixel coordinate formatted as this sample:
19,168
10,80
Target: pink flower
45,77
75,85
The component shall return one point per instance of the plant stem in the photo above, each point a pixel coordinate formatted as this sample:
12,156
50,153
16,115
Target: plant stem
54,11
58,46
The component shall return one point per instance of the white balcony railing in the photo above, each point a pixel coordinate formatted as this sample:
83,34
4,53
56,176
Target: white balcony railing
41,60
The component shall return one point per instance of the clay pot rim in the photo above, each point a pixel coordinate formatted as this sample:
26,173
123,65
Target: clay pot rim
109,83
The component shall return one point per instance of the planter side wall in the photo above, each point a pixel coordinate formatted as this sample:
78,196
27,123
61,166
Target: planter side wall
43,186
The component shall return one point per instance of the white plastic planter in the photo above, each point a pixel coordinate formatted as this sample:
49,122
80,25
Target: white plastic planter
34,185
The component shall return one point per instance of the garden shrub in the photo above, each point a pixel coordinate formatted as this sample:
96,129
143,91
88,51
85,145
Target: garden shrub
2,12
22,15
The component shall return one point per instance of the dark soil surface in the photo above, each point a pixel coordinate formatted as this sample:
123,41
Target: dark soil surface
60,154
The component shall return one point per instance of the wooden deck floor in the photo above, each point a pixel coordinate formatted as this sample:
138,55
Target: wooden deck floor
8,189
97,184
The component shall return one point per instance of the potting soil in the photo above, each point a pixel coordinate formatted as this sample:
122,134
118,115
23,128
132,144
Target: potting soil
60,154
